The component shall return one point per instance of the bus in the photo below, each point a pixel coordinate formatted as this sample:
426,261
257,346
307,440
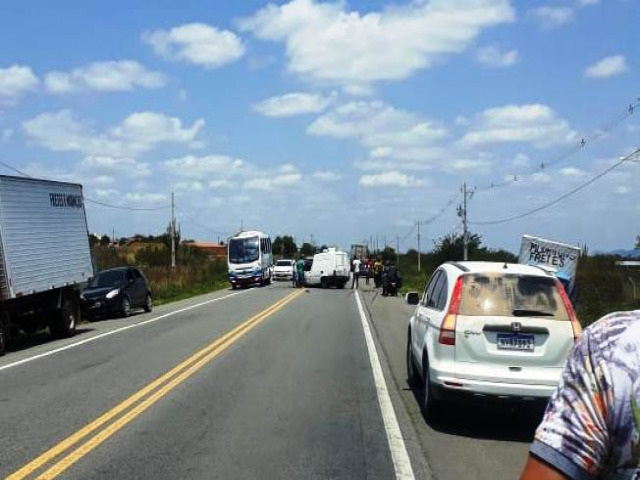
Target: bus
250,259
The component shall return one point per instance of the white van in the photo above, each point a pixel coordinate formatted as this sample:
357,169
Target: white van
329,268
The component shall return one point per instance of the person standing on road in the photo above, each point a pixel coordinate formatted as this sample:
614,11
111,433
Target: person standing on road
591,428
356,272
367,270
300,268
377,272
294,272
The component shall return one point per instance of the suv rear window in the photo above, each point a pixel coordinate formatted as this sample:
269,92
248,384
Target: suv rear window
509,295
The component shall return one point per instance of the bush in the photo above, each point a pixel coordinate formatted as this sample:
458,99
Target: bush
195,273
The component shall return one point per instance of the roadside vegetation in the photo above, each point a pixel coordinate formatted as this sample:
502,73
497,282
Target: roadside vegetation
603,287
196,272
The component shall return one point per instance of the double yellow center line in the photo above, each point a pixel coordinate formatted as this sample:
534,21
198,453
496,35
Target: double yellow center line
126,411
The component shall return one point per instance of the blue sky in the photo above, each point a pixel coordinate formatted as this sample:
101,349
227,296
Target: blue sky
338,120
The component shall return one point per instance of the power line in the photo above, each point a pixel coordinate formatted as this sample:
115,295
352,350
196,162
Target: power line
623,160
201,225
124,207
581,145
19,172
446,206
90,200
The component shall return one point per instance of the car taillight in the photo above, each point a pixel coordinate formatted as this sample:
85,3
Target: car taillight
448,328
575,323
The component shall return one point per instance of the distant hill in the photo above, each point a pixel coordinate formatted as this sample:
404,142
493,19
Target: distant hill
625,253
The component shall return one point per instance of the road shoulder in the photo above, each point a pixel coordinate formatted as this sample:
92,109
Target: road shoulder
420,464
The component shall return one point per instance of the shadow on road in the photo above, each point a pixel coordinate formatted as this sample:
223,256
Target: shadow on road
488,422
23,342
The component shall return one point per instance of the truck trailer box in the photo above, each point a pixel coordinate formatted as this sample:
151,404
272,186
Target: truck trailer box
44,243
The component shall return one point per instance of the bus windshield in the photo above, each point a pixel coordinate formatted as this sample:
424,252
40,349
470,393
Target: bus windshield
244,250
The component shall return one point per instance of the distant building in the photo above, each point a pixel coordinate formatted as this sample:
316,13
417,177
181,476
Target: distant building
215,250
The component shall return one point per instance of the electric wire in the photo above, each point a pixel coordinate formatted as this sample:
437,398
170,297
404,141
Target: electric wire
626,159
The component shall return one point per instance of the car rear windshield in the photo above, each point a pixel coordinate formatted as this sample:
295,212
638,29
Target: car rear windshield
283,263
509,295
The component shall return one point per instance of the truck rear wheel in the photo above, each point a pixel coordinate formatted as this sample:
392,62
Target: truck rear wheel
64,321
4,332
324,283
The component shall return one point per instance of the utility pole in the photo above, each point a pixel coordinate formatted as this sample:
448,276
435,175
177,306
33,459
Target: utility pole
462,213
173,231
398,250
419,254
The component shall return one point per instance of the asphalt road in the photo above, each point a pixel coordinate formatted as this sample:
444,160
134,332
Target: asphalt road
264,383
467,441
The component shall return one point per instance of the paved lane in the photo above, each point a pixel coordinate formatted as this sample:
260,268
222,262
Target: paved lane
465,442
294,396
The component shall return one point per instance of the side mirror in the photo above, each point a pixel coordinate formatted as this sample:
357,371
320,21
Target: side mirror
412,298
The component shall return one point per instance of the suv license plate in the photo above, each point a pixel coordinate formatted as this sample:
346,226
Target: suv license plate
508,341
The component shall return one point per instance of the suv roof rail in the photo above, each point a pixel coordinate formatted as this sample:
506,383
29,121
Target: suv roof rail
460,266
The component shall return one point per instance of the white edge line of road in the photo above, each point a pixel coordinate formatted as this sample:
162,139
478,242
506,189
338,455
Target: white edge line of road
399,454
117,330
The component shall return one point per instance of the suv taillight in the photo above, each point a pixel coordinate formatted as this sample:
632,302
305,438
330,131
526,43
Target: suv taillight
448,327
575,323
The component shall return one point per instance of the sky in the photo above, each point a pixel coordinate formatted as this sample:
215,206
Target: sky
333,121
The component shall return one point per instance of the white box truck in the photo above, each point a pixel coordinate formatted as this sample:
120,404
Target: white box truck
44,256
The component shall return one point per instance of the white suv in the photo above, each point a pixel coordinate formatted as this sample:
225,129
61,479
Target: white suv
485,329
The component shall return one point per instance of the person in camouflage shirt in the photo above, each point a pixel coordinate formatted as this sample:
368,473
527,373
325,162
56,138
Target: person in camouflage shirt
591,428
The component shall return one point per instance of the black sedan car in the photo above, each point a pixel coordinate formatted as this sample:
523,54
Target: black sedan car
116,291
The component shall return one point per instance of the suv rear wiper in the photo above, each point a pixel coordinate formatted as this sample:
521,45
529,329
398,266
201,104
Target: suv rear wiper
529,312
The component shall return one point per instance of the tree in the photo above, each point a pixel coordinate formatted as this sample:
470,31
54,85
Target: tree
105,240
93,240
166,237
638,241
284,246
307,250
276,245
451,247
289,246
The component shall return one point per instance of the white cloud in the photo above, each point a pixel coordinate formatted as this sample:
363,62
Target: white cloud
607,67
551,17
521,160
382,128
196,43
466,164
124,166
106,192
138,133
292,104
145,198
493,56
622,190
389,179
112,76
587,3
15,81
273,182
328,44
327,176
183,95
530,123
572,172
204,167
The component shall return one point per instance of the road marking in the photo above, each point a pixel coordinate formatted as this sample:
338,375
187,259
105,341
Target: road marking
399,455
163,385
117,330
